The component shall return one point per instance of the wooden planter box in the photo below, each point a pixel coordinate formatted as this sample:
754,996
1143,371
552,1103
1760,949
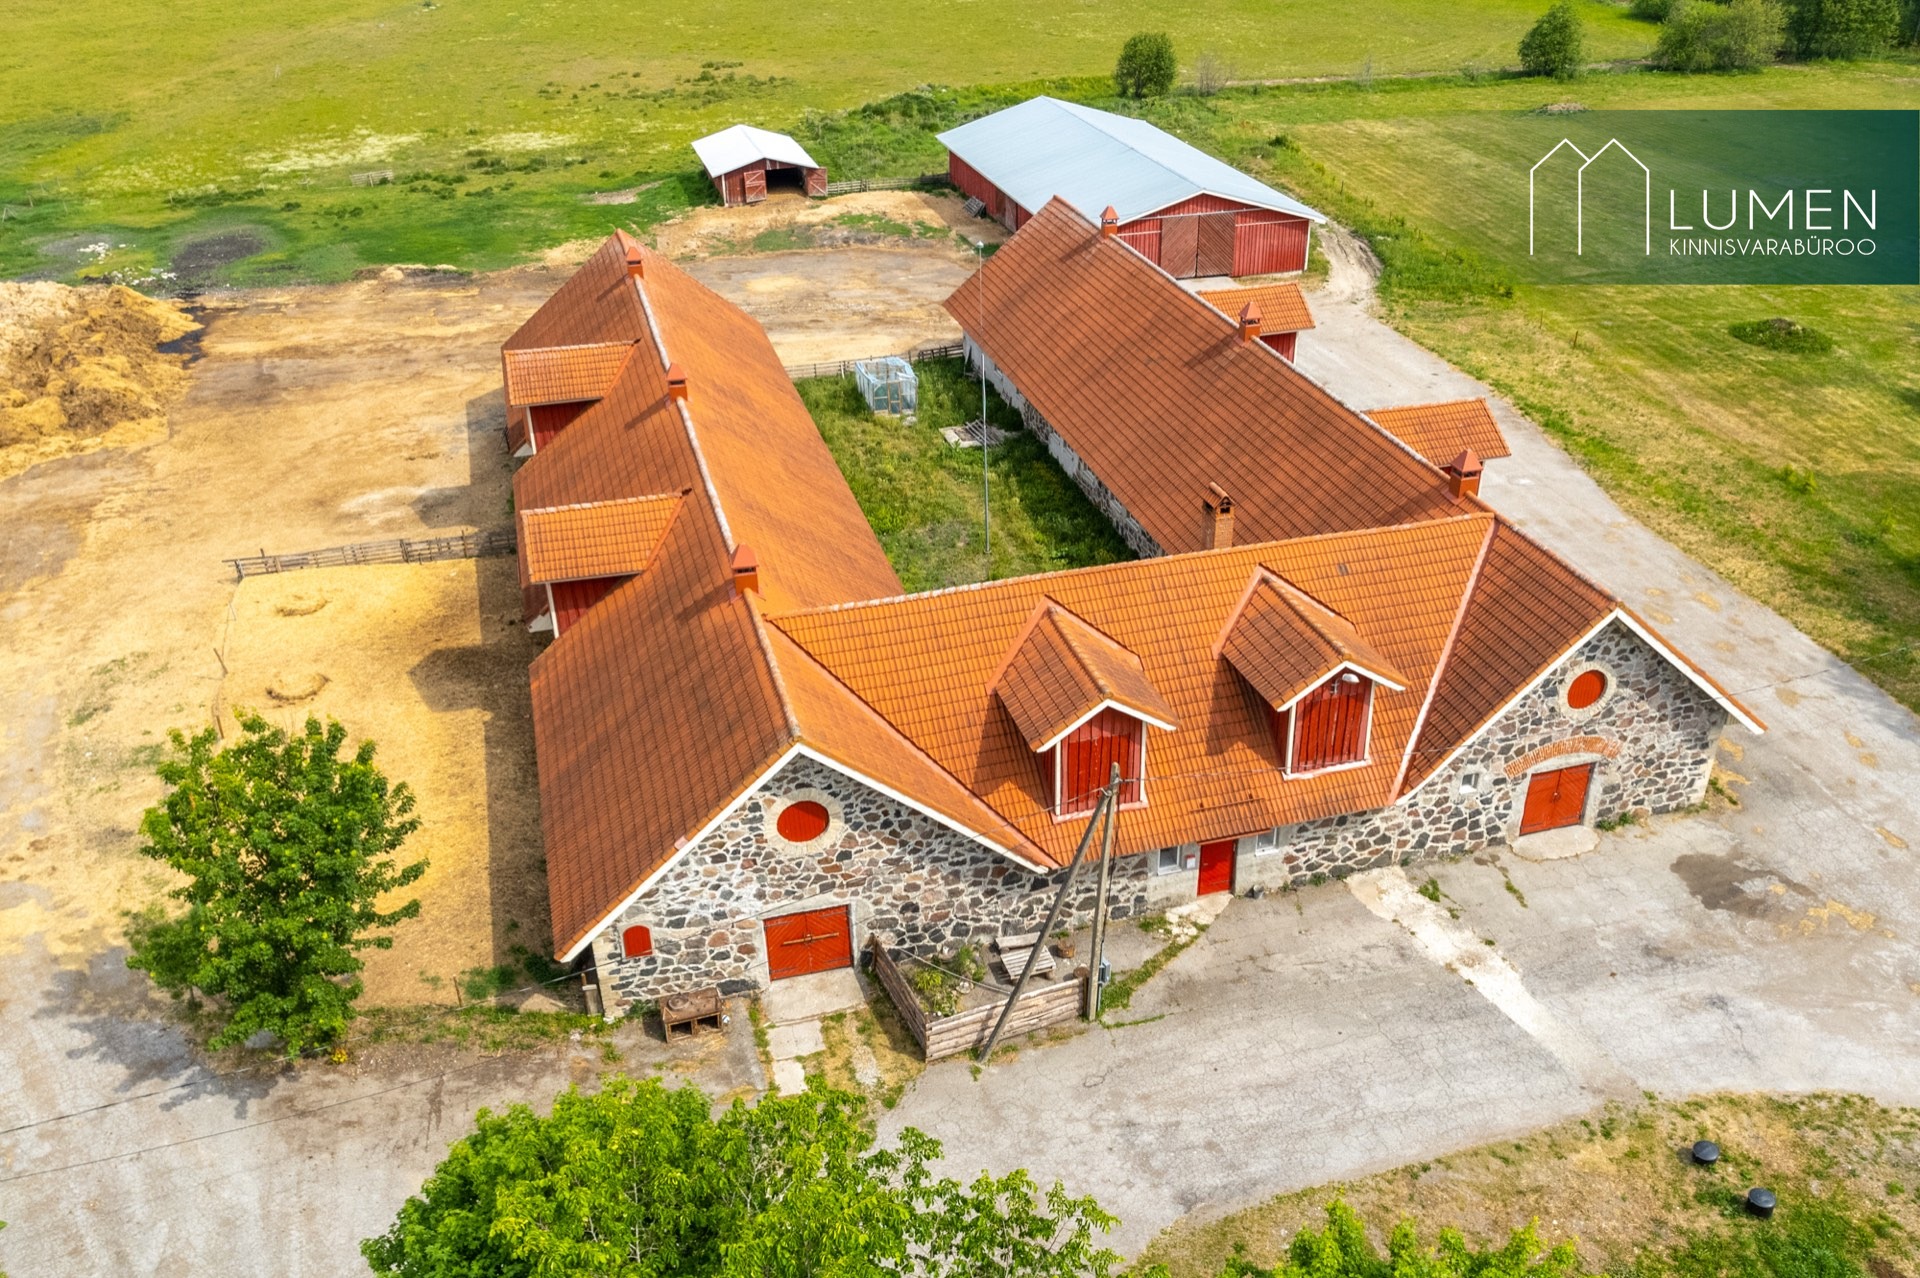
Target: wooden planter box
1041,1004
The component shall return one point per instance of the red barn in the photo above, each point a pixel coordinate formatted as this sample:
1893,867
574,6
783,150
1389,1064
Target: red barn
746,163
1178,206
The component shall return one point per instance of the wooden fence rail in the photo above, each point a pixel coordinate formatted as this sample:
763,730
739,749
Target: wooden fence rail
852,186
399,550
938,1036
844,367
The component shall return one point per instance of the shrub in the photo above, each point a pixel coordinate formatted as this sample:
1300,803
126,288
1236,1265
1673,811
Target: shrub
1844,29
1650,10
1557,44
287,851
1146,68
1780,334
1703,36
1343,1250
642,1182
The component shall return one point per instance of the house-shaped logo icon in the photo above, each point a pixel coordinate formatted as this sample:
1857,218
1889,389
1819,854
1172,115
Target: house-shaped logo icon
1580,193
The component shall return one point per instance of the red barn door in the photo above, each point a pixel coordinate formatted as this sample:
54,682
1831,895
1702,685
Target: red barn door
814,941
1555,799
1180,246
753,183
1214,244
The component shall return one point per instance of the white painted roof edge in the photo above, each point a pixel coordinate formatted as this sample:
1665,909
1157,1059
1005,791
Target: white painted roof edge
742,144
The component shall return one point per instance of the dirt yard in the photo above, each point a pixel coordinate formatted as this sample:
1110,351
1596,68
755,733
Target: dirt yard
315,417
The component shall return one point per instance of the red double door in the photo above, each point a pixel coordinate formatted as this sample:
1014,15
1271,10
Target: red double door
1555,799
813,941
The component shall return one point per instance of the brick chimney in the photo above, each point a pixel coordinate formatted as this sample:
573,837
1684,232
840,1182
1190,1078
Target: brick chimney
746,570
1249,321
1109,223
1221,507
636,261
1463,474
676,382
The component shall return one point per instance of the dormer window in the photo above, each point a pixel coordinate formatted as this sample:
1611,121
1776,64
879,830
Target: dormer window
1316,674
1082,702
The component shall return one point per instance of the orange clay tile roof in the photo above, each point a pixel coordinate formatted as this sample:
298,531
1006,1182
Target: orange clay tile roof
661,706
1156,393
1438,432
562,374
1286,644
1283,308
925,663
1061,670
592,539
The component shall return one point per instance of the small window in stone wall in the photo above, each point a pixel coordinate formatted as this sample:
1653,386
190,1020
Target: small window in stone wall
804,821
1168,861
636,942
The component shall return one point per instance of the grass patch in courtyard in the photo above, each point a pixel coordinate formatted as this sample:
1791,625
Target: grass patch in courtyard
1620,1185
924,498
487,1028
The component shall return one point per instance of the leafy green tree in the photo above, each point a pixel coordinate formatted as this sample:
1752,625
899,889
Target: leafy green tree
1342,1250
636,1181
1699,35
1557,45
287,849
1844,29
1146,68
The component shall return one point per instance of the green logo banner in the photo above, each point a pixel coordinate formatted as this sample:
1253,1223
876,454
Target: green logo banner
1705,197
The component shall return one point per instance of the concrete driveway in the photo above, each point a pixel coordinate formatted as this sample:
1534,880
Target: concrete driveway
1324,1035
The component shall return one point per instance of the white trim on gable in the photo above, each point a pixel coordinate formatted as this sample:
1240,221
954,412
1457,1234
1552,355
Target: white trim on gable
1646,636
753,787
1107,704
1321,682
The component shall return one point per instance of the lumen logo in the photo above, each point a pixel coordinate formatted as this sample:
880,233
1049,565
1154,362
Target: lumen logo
1712,197
1580,192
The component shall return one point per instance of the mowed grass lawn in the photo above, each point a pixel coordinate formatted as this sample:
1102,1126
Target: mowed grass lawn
1620,1185
218,139
1795,476
924,497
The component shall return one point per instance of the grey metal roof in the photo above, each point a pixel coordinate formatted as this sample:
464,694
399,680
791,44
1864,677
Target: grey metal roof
1045,147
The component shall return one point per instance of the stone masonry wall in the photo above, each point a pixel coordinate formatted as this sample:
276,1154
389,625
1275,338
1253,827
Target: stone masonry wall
1653,736
911,881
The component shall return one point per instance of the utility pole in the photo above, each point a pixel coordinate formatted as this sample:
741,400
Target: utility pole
1099,946
1102,810
980,354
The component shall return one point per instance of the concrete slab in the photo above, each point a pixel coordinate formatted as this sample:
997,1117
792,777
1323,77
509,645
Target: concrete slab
805,998
1557,845
800,1038
788,1078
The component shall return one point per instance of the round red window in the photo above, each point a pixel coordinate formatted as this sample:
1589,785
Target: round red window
1587,687
803,821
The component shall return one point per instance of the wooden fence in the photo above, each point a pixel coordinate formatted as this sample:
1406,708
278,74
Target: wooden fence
400,550
854,185
938,1036
844,367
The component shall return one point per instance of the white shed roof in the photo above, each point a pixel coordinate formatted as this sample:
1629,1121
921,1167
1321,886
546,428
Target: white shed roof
1045,147
727,150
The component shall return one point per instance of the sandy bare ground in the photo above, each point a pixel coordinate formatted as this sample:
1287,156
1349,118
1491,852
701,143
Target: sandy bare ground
317,417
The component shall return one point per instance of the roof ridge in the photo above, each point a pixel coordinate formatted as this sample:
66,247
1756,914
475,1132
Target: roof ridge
1132,564
610,501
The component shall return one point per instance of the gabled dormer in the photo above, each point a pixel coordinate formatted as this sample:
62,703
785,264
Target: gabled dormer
572,557
547,387
1082,702
1317,675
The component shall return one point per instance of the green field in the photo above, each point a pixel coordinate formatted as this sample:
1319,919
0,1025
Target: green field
219,139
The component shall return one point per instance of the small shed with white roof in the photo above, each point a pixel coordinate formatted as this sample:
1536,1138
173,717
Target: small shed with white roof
1179,207
745,163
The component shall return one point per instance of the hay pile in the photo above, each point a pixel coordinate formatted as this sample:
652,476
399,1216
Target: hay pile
83,370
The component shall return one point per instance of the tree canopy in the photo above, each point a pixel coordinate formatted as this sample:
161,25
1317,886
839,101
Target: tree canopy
1146,68
1844,28
1557,45
636,1181
287,849
1700,35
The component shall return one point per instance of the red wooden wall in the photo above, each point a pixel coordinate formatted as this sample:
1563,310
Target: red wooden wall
737,188
1330,724
549,419
571,599
1282,342
1091,750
